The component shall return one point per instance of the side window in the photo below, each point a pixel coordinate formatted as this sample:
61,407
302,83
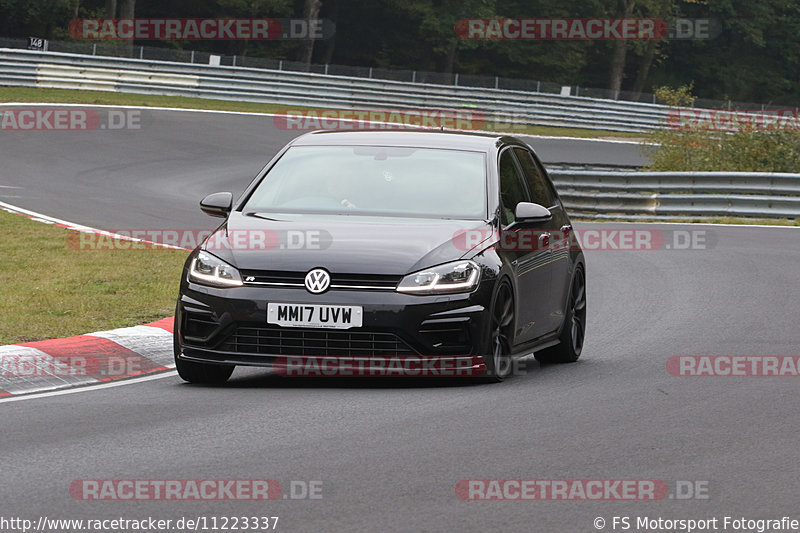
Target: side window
512,187
541,193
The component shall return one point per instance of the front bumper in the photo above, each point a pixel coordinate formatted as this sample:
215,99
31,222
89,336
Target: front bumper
229,326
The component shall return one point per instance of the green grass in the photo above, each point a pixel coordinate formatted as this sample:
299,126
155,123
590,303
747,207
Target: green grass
50,289
68,96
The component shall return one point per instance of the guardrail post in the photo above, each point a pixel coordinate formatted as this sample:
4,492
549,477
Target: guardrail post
538,86
94,49
234,60
370,72
414,77
496,82
141,52
280,64
192,60
326,69
455,81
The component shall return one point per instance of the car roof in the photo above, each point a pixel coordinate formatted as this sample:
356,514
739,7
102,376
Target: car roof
459,140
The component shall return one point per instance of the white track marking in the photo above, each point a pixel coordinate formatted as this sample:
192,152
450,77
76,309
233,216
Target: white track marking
254,114
90,388
38,217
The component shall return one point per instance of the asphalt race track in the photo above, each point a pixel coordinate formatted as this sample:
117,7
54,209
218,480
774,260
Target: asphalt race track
389,453
158,173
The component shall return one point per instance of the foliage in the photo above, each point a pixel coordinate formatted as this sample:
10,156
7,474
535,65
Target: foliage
682,96
755,57
748,150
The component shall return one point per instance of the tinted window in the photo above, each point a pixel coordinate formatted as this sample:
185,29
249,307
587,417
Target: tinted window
375,180
512,188
537,183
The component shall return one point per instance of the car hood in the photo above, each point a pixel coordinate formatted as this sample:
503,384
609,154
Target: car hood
343,244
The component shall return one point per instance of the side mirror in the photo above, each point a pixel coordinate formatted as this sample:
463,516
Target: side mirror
217,205
530,212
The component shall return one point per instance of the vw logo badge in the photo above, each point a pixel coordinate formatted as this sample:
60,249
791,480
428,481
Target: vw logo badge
318,281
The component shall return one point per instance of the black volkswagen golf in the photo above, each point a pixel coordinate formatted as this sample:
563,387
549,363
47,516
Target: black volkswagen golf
385,253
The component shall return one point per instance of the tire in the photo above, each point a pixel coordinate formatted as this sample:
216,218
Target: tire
499,363
202,373
570,345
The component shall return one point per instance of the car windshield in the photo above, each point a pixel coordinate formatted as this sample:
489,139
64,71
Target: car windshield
375,180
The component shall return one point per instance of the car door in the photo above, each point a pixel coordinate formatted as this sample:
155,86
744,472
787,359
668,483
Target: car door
558,230
529,259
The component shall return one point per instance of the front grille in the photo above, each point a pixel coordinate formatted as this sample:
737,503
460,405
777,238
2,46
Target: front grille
338,281
299,341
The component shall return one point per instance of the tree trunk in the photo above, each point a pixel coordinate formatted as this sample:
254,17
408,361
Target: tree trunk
644,69
330,44
306,49
661,10
617,70
111,9
450,62
127,10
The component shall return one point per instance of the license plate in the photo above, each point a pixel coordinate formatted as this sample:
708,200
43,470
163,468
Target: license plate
314,316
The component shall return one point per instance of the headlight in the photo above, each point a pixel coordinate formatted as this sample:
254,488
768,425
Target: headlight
459,276
207,269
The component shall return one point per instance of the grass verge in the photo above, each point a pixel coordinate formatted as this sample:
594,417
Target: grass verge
50,289
68,96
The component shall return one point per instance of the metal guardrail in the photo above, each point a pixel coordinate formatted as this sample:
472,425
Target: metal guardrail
678,195
73,71
592,193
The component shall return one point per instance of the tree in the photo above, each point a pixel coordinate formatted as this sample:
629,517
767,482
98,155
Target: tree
306,49
127,10
437,22
617,67
660,9
253,9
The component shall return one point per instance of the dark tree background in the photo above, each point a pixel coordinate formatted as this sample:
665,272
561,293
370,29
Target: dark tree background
756,57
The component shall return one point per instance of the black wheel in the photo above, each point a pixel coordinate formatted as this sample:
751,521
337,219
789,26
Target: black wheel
203,373
501,329
568,350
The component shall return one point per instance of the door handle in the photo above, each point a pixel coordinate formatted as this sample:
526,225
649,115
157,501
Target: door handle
544,240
